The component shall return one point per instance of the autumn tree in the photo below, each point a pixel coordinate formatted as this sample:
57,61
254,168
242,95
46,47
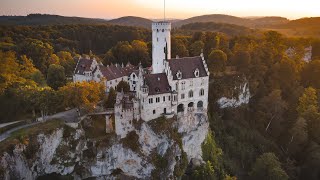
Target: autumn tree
82,95
67,61
267,167
38,51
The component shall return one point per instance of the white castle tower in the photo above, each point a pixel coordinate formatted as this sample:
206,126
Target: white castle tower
161,45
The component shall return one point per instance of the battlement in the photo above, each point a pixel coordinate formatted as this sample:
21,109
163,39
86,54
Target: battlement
161,26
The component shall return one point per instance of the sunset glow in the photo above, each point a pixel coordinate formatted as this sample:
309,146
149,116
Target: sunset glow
154,8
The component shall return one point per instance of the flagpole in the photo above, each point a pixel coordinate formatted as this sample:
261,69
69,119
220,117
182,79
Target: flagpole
164,11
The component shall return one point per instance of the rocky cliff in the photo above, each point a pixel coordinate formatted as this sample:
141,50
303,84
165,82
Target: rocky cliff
160,148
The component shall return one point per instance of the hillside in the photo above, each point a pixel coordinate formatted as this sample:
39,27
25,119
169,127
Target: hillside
45,19
132,21
229,29
217,18
268,21
304,27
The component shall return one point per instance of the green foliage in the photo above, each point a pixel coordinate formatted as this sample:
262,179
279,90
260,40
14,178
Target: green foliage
123,86
310,74
196,48
210,151
217,61
204,172
56,76
266,167
111,99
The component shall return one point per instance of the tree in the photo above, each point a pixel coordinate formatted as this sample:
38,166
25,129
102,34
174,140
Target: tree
111,100
210,151
67,62
54,59
123,86
56,76
308,100
272,108
242,60
179,47
310,74
140,53
196,48
299,134
82,95
217,61
38,51
267,167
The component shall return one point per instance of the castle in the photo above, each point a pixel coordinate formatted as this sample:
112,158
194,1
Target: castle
173,86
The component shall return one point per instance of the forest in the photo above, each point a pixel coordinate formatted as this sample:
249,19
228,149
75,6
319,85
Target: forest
275,136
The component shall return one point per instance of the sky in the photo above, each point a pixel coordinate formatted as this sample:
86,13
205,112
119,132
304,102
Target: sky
154,9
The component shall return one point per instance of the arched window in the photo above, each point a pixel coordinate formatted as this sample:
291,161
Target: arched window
201,92
190,94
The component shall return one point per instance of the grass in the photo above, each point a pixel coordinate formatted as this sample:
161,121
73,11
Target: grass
25,135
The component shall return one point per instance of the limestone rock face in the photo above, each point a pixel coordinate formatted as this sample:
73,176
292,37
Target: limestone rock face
72,152
243,98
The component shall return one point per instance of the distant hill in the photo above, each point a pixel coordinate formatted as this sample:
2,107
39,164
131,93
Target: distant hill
216,18
229,29
46,19
313,22
269,21
132,21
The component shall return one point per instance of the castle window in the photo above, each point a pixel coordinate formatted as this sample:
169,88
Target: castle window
183,85
154,111
162,30
201,92
182,96
177,86
150,101
157,39
196,73
164,98
179,74
157,99
169,97
190,94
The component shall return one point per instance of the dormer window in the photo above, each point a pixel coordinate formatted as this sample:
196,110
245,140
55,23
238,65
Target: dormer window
196,73
179,75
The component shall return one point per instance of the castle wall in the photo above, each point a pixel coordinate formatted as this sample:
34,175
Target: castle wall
123,121
155,109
